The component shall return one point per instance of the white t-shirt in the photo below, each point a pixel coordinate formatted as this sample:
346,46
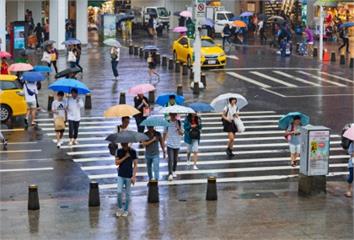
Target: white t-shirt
59,108
74,108
231,111
33,88
117,50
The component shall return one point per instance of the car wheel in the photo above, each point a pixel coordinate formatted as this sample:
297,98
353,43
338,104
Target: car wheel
189,61
5,113
174,56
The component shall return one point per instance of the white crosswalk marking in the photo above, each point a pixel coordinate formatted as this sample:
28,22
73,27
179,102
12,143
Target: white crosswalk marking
338,77
296,78
321,79
273,79
249,80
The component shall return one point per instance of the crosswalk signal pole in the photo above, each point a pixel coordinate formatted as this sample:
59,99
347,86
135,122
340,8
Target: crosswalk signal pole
320,55
197,47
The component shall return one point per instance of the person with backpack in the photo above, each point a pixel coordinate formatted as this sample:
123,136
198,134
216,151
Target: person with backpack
192,128
172,138
30,90
152,153
142,104
229,115
73,108
115,54
59,117
292,135
343,34
127,163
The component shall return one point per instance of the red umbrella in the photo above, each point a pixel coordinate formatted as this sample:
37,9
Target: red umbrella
4,54
20,67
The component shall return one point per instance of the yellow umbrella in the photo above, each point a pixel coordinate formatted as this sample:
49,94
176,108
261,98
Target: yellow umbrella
239,23
8,77
121,110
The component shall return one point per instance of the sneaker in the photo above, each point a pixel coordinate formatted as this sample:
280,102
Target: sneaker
71,142
75,142
188,162
174,174
4,144
125,214
59,144
170,177
26,123
119,212
195,167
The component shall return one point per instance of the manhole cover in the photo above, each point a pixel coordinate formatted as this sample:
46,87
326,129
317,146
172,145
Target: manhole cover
258,195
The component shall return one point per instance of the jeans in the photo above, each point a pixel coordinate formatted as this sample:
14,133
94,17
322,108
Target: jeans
172,154
224,40
123,182
345,43
350,177
73,128
114,68
153,164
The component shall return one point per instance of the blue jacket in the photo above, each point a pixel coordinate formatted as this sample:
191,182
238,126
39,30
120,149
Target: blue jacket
187,128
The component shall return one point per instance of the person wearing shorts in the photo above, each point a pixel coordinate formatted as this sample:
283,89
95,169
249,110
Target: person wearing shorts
293,136
59,117
229,114
30,90
192,128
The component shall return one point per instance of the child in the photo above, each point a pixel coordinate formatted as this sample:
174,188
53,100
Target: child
293,136
127,163
59,116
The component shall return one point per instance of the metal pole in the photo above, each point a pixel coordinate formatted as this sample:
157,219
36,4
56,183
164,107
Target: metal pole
197,49
321,33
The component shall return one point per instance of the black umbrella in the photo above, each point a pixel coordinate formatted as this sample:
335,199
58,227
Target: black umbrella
67,72
127,137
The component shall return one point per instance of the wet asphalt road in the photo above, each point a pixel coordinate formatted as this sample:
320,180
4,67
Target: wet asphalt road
327,104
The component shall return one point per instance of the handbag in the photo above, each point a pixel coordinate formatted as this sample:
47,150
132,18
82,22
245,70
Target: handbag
146,111
239,124
288,136
59,123
46,57
71,57
194,133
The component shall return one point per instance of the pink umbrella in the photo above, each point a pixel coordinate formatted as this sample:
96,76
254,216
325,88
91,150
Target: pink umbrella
4,54
186,14
141,89
349,133
180,29
20,67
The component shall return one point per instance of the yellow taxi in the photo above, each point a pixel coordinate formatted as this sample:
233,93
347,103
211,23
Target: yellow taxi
12,101
212,55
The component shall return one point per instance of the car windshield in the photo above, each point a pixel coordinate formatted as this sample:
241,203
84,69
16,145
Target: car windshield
205,43
162,12
151,11
229,16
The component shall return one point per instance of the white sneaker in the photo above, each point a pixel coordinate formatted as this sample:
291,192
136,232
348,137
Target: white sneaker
170,177
174,174
76,142
125,214
71,142
59,144
195,167
119,212
188,162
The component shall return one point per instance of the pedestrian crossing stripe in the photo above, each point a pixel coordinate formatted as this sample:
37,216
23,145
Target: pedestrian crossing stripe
247,79
273,79
297,78
321,79
338,77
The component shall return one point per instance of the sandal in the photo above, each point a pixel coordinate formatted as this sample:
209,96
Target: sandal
348,194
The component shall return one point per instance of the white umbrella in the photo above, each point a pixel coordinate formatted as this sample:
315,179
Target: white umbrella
112,42
222,100
275,18
177,109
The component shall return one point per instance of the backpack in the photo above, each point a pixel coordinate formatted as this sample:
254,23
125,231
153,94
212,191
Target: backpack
194,133
113,147
345,142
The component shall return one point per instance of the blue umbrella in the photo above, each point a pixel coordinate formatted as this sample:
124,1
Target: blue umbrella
201,107
246,14
71,41
150,48
162,100
33,77
234,18
207,22
41,68
155,121
287,119
67,84
347,24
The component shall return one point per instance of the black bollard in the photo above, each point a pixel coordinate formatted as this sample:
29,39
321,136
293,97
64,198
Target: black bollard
164,61
152,97
158,58
50,101
122,98
342,59
33,199
196,88
141,52
136,50
212,193
184,69
94,195
315,52
170,64
203,79
333,56
177,67
191,74
180,90
88,103
351,63
131,50
153,192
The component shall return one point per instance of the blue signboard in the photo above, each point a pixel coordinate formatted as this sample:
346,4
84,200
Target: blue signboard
19,37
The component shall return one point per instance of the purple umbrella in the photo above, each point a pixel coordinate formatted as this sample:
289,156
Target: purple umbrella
246,14
180,29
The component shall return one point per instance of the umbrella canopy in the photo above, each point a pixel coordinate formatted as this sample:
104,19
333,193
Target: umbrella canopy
207,22
287,119
239,23
275,18
33,76
4,54
127,137
347,24
67,71
222,100
155,121
112,42
185,14
246,14
201,107
349,133
180,29
121,110
67,84
234,18
48,42
8,77
150,48
141,89
177,109
71,41
162,100
40,68
125,17
176,13
20,67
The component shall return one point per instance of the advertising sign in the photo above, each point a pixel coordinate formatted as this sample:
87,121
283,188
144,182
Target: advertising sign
109,26
318,154
19,37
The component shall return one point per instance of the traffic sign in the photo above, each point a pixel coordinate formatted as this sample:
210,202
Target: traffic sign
200,8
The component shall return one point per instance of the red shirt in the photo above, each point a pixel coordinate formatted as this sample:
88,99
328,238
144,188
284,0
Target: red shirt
4,68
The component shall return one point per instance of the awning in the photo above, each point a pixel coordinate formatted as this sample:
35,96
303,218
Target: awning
96,3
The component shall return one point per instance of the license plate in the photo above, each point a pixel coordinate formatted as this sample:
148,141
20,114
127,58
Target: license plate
212,62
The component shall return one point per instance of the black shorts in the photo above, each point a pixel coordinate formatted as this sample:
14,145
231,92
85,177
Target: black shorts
229,127
151,66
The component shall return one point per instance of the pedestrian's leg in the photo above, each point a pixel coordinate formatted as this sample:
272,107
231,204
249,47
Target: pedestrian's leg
170,159
57,133
349,192
175,159
156,167
119,192
231,140
148,166
347,43
71,131
76,129
55,66
33,113
127,193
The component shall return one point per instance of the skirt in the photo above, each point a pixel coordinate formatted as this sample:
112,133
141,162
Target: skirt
229,126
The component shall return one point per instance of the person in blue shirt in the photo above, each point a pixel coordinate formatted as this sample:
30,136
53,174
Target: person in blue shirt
349,192
292,134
